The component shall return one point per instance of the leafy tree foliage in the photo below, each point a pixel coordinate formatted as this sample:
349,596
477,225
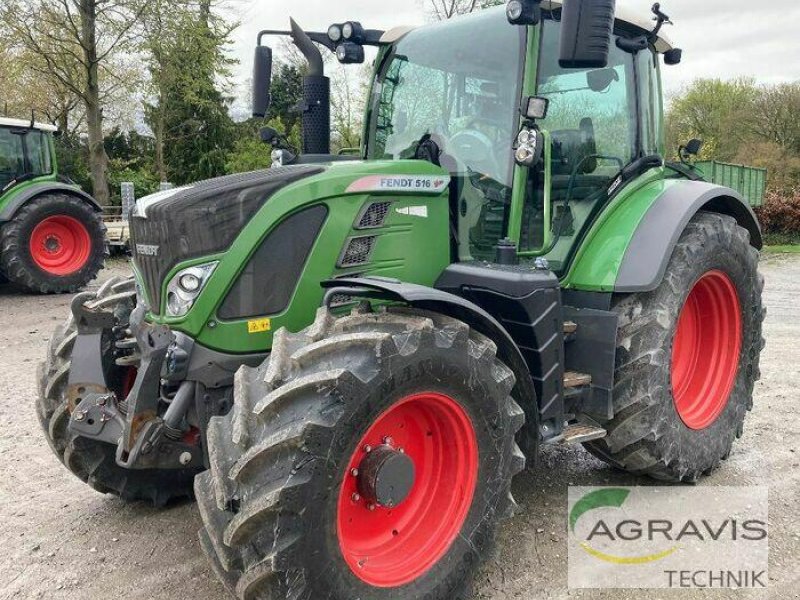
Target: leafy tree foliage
287,93
196,130
743,123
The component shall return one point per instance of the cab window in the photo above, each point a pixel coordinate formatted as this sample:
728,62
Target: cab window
23,154
12,157
38,153
593,124
457,85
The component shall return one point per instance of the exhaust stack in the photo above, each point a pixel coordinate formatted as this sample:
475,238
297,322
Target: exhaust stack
316,105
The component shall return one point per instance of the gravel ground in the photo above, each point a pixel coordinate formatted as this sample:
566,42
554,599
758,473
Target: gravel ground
62,540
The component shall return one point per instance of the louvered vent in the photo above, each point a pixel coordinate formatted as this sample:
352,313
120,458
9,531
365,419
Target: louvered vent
358,251
338,300
374,215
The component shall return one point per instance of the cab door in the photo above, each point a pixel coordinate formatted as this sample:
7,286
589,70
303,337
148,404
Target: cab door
593,128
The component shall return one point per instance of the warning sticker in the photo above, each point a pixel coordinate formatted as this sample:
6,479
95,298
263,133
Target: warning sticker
259,326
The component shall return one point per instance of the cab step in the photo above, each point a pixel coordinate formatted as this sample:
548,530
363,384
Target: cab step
577,433
573,379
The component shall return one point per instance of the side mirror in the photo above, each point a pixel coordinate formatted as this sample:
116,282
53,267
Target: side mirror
586,30
673,57
262,78
269,135
693,147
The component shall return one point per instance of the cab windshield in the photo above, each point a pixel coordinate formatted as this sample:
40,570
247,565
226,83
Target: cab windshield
458,84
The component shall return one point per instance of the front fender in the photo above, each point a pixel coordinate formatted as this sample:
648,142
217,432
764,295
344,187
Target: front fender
628,250
427,298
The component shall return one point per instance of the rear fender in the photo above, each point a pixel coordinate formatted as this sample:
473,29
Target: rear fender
629,251
41,189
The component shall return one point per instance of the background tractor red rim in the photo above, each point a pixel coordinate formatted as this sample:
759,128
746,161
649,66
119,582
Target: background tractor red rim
60,245
706,350
393,547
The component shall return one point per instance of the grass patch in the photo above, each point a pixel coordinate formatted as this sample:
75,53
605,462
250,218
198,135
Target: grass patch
784,249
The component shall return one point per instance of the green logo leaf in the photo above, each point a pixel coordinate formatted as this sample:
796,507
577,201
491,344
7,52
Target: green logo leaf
610,497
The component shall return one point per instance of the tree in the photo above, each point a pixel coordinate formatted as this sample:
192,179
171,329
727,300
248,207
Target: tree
721,113
75,42
286,93
194,132
447,9
348,93
777,116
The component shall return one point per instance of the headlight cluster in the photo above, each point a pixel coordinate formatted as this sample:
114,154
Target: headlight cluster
185,287
529,147
349,40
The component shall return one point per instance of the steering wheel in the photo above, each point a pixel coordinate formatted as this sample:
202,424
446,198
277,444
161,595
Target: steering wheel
476,150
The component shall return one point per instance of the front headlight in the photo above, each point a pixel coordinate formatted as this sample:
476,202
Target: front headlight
185,287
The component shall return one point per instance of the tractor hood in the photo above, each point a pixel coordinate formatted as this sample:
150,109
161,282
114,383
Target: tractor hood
200,220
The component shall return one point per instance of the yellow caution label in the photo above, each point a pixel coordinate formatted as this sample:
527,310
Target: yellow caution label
259,326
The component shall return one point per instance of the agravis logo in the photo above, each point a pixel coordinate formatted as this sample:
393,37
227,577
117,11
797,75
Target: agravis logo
644,537
610,497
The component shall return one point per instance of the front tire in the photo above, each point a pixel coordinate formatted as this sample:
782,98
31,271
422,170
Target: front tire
687,357
288,506
55,244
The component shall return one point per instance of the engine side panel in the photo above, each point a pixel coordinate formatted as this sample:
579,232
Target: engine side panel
405,237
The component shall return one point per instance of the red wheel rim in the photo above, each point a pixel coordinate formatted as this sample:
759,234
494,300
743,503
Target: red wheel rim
705,353
60,245
391,547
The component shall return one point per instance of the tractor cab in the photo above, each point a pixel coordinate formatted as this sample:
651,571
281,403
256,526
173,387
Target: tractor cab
458,93
26,152
461,86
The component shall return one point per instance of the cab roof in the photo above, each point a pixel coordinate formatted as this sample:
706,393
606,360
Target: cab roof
623,15
22,124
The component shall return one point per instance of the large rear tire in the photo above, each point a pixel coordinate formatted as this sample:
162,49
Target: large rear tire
91,461
688,357
55,244
288,507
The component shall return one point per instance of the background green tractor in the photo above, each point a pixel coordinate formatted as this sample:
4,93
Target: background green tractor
356,355
52,238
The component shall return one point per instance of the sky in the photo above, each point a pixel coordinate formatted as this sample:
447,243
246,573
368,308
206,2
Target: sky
720,38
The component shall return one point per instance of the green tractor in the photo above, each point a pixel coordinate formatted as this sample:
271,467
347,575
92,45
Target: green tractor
348,359
52,237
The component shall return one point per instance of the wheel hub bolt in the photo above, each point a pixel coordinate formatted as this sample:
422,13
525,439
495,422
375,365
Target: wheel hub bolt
356,497
354,472
80,416
367,449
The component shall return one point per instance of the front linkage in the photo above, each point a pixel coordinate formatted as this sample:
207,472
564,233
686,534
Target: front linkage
89,386
143,438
